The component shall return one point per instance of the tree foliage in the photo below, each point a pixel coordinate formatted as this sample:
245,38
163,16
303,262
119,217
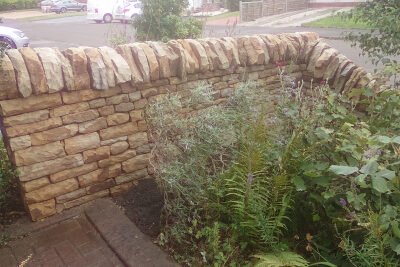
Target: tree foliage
162,20
384,38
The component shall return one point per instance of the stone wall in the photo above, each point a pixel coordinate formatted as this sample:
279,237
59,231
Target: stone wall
73,121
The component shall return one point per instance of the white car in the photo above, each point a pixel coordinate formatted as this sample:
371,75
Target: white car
12,38
132,10
108,10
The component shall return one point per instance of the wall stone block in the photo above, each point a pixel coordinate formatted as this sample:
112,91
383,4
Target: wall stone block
21,73
8,82
55,134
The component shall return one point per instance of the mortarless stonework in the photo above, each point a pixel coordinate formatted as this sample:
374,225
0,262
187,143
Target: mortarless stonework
73,121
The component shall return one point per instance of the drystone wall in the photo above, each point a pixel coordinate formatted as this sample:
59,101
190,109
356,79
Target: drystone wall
73,121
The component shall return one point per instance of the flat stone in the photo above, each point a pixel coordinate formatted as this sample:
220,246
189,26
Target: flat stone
109,67
260,53
80,96
200,53
118,131
96,176
120,66
119,147
52,68
36,71
316,53
229,45
51,191
120,189
26,118
81,143
112,141
190,57
212,57
37,154
71,196
138,139
115,100
55,134
272,43
117,118
33,127
152,60
69,109
8,82
96,154
141,62
41,210
124,107
87,198
114,170
67,71
128,177
97,69
33,103
73,172
81,116
21,72
332,67
100,186
161,53
117,158
136,115
221,59
136,163
78,61
93,126
107,110
37,170
35,184
182,65
126,53
18,143
323,61
97,103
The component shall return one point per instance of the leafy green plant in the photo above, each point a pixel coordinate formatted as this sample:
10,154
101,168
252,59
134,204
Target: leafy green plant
17,4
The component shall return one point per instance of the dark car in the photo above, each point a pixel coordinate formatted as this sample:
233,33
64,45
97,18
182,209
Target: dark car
67,5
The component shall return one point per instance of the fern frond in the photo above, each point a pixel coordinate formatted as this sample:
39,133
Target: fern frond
281,259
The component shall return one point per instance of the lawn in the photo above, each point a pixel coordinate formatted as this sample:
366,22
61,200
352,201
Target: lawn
224,16
337,21
54,16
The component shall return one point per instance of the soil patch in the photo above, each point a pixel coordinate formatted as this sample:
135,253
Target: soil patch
143,205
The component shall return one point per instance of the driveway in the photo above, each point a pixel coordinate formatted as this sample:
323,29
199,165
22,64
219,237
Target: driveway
78,31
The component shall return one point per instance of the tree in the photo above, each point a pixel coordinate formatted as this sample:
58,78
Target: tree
384,37
162,20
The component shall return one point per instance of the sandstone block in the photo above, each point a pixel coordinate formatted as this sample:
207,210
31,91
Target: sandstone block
109,68
115,100
141,62
71,196
117,118
126,53
323,62
55,134
93,126
144,149
107,110
124,107
73,172
34,103
181,66
118,131
137,163
200,54
152,60
120,66
97,103
26,118
81,116
316,53
190,57
231,50
114,170
51,191
142,126
35,184
37,154
35,69
8,82
161,52
128,177
96,154
87,198
21,72
119,147
138,139
41,210
120,189
221,59
37,170
93,177
136,115
52,68
117,158
67,71
100,186
33,127
97,69
140,104
80,96
112,141
69,109
21,142
135,96
81,143
78,61
149,92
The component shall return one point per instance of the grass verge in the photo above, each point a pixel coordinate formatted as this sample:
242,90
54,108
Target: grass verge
223,16
337,21
54,16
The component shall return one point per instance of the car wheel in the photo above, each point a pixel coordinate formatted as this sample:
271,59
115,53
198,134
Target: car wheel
98,21
107,18
6,43
63,10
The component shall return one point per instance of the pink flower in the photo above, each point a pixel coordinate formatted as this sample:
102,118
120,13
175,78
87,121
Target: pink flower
322,82
279,64
342,201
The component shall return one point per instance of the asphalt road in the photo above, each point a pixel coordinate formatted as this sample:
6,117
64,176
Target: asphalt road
78,31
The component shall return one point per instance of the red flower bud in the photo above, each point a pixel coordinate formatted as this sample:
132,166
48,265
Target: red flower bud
322,82
279,64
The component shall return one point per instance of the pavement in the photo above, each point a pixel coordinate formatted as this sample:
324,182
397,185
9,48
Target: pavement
97,234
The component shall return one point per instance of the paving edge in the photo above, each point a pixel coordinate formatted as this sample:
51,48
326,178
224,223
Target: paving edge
131,246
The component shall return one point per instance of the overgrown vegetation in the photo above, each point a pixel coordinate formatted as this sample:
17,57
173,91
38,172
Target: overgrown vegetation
315,182
17,4
338,21
384,38
163,20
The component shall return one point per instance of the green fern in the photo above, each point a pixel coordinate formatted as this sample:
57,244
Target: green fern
280,259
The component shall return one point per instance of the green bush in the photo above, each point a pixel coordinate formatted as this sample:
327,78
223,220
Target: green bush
233,5
162,20
17,4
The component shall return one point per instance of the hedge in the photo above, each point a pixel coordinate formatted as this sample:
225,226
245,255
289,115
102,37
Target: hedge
17,4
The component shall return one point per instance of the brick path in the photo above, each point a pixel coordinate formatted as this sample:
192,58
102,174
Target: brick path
100,236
